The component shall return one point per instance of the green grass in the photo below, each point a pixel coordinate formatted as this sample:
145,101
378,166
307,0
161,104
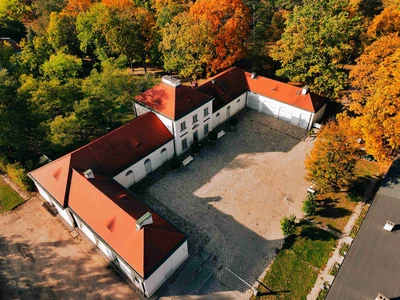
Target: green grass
296,267
8,197
357,225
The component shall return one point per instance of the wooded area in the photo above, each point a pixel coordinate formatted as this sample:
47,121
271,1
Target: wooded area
73,80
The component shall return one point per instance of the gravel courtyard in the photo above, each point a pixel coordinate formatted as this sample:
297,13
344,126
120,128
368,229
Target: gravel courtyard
230,199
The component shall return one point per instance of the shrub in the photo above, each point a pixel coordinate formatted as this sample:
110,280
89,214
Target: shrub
175,163
212,136
233,121
288,225
344,249
310,205
17,174
3,164
195,147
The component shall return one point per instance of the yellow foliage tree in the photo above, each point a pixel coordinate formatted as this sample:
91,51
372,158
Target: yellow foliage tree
388,21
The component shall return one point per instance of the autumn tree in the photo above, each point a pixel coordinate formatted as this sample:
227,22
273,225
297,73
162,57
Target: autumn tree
61,66
332,160
376,97
61,33
230,25
187,45
388,21
74,7
318,36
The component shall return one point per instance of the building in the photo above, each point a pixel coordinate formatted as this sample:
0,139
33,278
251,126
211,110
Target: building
88,185
372,265
190,114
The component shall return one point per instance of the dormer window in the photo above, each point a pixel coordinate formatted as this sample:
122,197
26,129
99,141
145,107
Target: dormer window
183,125
195,118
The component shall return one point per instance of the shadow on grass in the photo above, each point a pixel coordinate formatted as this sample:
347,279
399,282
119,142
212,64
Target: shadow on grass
315,234
329,209
359,187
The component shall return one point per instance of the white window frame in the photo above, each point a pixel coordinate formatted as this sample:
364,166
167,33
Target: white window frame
183,125
206,126
195,118
184,144
206,112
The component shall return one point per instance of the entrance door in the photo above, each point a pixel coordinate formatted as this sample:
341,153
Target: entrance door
195,137
147,166
228,112
164,155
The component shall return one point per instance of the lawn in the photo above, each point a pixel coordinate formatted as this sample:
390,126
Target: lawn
8,197
335,209
295,268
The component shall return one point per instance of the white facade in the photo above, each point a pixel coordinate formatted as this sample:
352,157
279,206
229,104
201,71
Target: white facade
283,111
64,213
166,269
229,110
193,126
146,165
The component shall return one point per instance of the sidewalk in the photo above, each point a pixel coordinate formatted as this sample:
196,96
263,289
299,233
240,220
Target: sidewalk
24,194
324,275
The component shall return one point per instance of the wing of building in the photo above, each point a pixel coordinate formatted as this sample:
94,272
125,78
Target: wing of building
88,185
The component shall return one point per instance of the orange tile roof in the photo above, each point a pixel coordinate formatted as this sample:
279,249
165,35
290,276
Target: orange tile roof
114,221
108,208
285,93
172,102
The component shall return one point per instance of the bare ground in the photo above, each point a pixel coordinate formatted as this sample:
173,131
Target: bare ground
39,259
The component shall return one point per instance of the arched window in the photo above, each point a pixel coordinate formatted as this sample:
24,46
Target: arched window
129,173
217,115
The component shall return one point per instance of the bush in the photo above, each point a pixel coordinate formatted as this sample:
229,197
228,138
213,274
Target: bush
3,164
344,249
175,163
195,147
310,205
212,136
288,225
233,121
17,174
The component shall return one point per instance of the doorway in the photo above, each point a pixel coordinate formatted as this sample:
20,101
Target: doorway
228,112
195,137
147,166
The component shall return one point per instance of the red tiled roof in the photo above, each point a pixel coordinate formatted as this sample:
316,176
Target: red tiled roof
172,102
225,87
285,93
115,221
108,155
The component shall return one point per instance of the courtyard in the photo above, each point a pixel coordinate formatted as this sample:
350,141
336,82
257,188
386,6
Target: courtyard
230,199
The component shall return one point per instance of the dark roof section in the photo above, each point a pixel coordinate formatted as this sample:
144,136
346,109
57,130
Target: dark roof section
372,265
112,211
225,87
172,102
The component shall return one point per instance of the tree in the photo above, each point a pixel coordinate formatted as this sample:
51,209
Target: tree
332,160
74,7
288,225
186,45
387,22
61,66
230,24
61,33
6,51
310,205
318,36
375,103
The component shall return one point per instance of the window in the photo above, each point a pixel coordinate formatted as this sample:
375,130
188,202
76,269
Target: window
238,101
184,144
205,129
195,118
206,111
183,125
129,173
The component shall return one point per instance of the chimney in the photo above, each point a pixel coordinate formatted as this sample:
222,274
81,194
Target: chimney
253,75
305,90
389,226
168,79
89,173
213,81
381,297
146,219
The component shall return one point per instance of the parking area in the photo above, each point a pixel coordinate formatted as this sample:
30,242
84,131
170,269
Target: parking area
39,259
230,199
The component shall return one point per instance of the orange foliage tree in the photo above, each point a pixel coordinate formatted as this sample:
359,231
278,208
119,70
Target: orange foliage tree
376,97
74,7
121,4
388,21
230,24
331,162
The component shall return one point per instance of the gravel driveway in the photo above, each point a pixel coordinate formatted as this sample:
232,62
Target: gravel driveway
39,259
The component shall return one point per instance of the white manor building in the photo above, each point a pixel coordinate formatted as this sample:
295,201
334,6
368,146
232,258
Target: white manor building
88,186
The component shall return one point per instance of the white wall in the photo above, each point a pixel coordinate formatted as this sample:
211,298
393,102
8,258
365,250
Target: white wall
318,116
235,106
280,110
192,127
138,168
166,269
64,213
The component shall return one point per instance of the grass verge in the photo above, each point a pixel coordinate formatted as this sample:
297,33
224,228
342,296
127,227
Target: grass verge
357,225
8,197
295,268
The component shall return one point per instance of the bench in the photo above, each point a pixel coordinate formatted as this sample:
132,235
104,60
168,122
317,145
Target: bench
220,134
187,160
311,190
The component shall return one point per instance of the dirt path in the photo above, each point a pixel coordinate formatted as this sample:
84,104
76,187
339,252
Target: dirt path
39,259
